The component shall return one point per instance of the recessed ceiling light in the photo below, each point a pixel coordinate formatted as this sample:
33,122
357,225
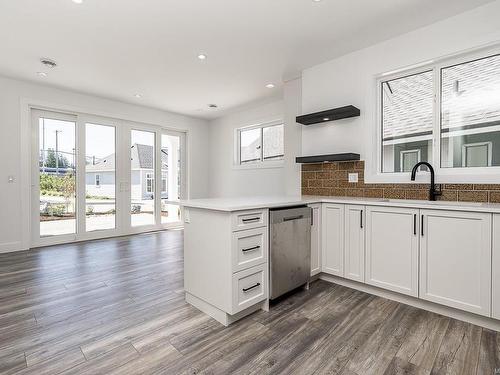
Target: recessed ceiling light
202,56
212,106
42,74
77,1
270,86
138,96
316,1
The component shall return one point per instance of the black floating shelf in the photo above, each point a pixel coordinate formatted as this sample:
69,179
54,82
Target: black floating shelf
327,158
329,115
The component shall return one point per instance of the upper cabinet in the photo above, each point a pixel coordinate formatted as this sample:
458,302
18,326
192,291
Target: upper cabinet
455,259
354,255
392,249
316,239
332,239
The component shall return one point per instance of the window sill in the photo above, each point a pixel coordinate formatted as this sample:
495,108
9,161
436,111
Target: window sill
262,165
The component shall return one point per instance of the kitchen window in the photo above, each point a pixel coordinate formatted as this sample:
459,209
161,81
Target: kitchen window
446,113
260,145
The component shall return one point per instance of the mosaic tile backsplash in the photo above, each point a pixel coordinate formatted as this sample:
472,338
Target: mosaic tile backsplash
331,179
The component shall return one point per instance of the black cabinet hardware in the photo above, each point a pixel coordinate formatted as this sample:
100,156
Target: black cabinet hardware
312,216
415,224
251,219
422,226
251,287
250,249
361,219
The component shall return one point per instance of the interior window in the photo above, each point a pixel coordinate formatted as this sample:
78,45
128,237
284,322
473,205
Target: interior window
260,144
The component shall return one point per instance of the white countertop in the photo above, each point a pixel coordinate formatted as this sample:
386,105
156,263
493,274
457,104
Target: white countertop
250,203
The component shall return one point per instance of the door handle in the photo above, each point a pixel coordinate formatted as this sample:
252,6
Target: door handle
422,226
250,287
250,248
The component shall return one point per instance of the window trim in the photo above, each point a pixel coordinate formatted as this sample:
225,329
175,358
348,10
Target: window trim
262,163
443,175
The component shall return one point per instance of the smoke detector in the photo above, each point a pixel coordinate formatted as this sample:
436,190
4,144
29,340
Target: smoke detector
48,63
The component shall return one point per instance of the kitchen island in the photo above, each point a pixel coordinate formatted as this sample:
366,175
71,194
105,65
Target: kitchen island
440,256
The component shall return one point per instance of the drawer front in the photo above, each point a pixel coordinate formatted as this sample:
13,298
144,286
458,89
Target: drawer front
249,219
249,287
249,248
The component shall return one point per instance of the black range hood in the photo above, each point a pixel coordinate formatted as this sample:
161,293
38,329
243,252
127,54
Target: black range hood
328,115
349,156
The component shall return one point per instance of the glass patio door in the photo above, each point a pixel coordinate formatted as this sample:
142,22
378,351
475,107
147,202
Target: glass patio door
95,177
54,175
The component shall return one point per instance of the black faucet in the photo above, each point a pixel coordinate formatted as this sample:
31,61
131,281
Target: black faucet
432,191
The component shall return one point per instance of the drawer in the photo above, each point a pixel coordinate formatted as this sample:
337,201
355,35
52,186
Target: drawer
249,287
249,219
249,248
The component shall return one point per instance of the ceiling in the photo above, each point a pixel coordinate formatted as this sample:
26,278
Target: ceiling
119,48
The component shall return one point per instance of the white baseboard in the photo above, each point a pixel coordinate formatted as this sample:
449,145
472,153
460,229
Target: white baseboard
10,247
465,316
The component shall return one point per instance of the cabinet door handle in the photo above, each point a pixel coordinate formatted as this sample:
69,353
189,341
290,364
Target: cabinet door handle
415,224
250,287
312,216
250,220
361,219
250,249
422,226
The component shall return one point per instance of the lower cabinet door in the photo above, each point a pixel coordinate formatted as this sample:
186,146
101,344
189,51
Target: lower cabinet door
316,239
332,239
455,260
495,293
392,249
354,255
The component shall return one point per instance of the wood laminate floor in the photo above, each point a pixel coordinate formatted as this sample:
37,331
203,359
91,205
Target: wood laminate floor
116,306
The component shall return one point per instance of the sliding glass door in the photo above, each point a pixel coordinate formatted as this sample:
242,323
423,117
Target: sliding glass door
95,177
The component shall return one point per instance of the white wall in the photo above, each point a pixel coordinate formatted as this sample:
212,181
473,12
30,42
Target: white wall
226,180
12,137
350,78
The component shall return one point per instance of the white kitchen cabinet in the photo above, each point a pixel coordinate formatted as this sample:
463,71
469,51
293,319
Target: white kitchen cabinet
392,249
332,239
496,267
455,259
354,250
316,239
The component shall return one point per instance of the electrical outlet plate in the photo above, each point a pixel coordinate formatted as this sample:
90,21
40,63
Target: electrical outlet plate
353,177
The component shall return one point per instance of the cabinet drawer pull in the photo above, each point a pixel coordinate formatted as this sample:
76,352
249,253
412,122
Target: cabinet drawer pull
415,224
250,248
251,219
422,226
251,287
361,219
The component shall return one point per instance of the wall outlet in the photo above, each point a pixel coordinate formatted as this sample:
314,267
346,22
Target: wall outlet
353,177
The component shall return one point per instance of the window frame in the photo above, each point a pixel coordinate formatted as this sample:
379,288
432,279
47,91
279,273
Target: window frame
489,151
262,163
443,175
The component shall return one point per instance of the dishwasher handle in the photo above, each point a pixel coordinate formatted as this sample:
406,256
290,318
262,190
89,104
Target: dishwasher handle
298,217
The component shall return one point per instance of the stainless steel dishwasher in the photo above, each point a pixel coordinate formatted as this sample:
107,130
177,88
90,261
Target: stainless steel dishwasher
290,249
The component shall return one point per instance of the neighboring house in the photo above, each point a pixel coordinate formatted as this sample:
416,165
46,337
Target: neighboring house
470,124
100,177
